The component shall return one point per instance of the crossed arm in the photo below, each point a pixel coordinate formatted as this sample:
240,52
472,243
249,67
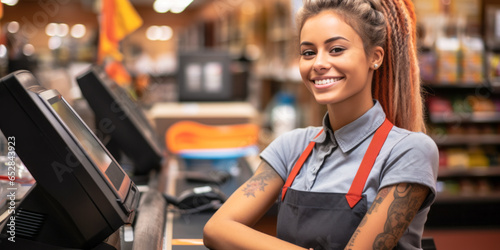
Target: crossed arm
231,226
388,217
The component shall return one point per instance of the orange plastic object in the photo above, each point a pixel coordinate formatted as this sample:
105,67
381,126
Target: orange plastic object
189,135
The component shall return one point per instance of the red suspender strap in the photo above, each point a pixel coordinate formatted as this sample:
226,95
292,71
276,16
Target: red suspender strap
354,194
298,165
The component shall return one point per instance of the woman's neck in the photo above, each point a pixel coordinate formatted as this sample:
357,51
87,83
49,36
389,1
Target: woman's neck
341,114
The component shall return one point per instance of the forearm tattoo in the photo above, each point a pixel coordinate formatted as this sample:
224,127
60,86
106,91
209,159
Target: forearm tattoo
376,203
259,181
378,200
407,201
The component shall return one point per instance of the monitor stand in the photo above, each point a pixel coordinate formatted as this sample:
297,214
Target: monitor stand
41,217
146,233
111,243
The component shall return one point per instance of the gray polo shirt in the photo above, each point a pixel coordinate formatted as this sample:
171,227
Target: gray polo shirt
406,157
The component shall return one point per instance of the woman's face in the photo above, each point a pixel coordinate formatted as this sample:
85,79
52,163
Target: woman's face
333,63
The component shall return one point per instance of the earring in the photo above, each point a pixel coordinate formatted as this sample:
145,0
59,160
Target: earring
375,66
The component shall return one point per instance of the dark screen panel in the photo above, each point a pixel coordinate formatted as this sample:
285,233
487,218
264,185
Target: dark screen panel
115,175
130,131
90,144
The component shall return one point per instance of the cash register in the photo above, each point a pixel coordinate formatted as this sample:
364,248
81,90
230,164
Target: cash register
82,198
122,122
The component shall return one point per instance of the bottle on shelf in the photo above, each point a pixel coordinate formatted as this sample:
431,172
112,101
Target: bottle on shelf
284,115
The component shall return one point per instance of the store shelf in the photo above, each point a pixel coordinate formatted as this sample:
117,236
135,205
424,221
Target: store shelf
471,172
457,85
479,117
450,140
495,86
469,198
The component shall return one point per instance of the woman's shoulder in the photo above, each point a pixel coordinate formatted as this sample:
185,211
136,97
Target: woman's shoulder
415,141
296,139
410,135
284,149
298,134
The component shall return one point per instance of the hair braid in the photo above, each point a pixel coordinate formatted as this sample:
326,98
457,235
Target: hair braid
413,58
384,77
402,82
415,70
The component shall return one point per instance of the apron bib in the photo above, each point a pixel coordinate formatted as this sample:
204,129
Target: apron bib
326,220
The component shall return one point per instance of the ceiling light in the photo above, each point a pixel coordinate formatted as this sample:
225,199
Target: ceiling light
78,30
162,6
10,2
13,27
55,42
51,29
28,50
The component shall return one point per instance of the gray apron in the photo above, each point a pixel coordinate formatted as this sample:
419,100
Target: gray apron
326,220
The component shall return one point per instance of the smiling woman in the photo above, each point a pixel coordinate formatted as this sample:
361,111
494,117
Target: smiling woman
367,177
335,67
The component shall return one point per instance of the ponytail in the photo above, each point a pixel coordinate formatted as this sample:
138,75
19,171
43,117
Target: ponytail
397,83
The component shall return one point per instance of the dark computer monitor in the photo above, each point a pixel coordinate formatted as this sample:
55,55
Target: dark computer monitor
81,195
119,117
205,76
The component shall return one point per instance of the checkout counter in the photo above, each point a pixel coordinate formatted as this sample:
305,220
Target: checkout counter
185,230
83,198
161,225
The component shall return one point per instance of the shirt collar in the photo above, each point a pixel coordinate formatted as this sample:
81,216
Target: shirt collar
352,134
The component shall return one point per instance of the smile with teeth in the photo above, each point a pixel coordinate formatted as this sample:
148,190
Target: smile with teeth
327,81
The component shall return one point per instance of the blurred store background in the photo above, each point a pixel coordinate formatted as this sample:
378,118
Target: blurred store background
182,55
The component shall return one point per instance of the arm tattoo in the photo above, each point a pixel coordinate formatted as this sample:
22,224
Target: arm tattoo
382,194
407,201
259,181
378,200
351,242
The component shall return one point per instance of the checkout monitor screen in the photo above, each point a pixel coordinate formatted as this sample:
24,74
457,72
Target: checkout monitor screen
127,124
81,195
91,146
129,105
